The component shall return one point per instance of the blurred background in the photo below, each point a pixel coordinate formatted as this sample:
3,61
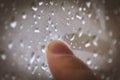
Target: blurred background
90,27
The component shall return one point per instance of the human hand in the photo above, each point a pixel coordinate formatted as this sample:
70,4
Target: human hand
64,65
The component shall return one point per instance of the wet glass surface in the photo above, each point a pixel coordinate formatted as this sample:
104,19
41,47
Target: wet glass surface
90,27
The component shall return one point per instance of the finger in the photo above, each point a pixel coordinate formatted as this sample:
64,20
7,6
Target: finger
64,65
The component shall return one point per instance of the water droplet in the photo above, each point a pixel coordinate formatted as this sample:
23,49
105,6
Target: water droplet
51,3
73,37
32,57
89,61
68,24
38,59
34,69
52,13
24,16
80,9
89,15
83,22
43,49
44,67
56,29
41,11
3,56
10,46
110,51
34,16
80,32
107,18
21,44
13,77
110,33
94,42
88,4
39,74
29,67
72,18
95,55
96,67
34,8
47,28
49,21
69,12
78,17
62,5
84,9
41,3
36,30
13,24
87,45
39,17
29,46
110,60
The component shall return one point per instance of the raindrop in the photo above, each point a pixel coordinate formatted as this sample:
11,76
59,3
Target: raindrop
68,24
83,22
32,57
36,30
84,9
69,12
47,28
110,51
78,17
52,13
34,16
56,29
34,8
43,49
24,16
38,59
49,21
110,60
88,4
39,74
10,46
107,18
3,56
72,18
95,55
39,17
29,47
34,70
62,5
94,42
87,44
80,32
89,15
73,37
13,24
29,67
35,22
89,61
80,9
110,33
51,3
42,11
21,45
41,3
96,67
44,67
13,77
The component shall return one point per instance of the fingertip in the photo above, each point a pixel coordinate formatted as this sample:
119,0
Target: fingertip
58,47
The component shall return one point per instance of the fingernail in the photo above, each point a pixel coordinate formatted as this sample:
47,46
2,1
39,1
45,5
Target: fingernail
58,47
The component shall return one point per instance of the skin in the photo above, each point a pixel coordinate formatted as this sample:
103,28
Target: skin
64,65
